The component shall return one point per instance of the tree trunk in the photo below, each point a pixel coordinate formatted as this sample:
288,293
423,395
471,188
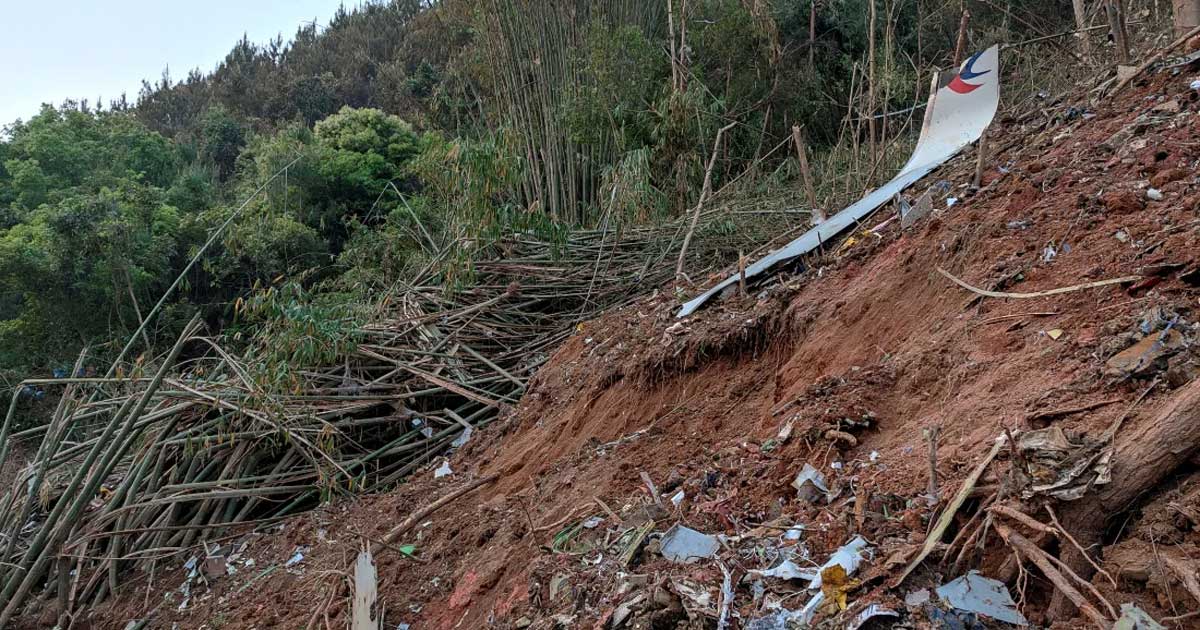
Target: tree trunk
1187,15
1144,455
1085,45
1116,23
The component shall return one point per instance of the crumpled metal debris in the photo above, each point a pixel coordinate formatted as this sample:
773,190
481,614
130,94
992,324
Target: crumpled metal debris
868,613
917,598
462,438
978,594
684,545
917,211
1146,355
625,610
781,619
192,566
810,484
1060,468
787,570
850,556
696,599
1134,618
953,619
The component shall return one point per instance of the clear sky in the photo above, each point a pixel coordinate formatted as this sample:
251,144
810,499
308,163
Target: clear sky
51,50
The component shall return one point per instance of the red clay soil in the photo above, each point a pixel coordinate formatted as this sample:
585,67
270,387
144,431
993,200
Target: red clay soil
860,354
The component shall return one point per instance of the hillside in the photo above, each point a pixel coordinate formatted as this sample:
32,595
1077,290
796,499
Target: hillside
728,406
377,327
406,133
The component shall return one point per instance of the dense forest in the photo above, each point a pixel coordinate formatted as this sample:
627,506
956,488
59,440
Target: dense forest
341,156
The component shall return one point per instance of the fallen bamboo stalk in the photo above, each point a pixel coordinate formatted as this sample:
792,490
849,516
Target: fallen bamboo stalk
704,192
935,535
1037,294
414,519
1067,411
1155,58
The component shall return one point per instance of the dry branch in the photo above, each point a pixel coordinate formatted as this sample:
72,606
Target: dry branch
935,535
1031,551
1037,294
416,517
1155,58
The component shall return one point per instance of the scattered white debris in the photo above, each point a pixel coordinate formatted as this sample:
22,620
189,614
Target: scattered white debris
1154,194
917,598
462,438
443,470
849,555
677,498
950,201
787,570
780,619
1134,618
297,556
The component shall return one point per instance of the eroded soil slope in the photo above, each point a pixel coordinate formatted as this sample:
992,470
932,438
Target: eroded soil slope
847,365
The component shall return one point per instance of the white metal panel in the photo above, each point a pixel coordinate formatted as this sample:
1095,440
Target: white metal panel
957,115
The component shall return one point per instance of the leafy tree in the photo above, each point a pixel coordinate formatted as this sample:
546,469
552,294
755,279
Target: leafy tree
222,140
71,270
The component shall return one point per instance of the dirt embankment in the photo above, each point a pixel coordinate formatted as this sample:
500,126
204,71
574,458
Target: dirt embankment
847,366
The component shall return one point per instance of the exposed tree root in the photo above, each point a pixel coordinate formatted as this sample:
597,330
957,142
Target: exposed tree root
1145,454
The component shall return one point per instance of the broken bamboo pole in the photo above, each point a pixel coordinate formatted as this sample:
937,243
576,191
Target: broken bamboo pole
1085,45
935,535
980,160
704,193
806,172
960,44
416,517
1155,58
